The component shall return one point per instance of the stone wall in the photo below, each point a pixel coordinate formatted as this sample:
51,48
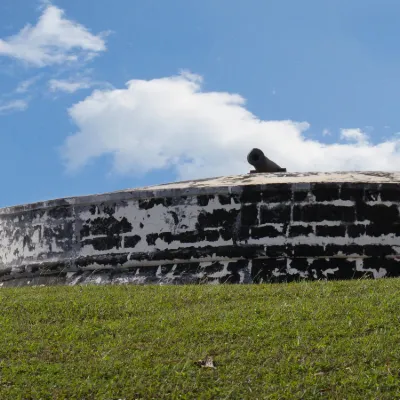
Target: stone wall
241,229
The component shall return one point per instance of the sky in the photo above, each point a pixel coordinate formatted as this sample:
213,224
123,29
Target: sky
97,96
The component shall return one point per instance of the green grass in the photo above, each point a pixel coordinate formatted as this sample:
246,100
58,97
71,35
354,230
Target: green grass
335,340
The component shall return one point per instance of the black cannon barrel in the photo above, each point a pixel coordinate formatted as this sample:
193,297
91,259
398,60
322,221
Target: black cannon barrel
261,163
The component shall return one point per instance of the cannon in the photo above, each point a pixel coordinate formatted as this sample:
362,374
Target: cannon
261,163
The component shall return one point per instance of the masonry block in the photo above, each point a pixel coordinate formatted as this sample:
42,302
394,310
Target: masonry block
241,229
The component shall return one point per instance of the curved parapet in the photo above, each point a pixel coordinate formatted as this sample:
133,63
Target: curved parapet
238,229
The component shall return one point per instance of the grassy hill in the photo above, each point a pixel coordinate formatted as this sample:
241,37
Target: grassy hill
335,340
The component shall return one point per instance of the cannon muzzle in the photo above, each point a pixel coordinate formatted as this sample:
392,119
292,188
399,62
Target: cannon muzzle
261,163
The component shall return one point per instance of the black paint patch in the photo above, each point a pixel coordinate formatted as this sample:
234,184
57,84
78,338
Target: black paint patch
333,250
242,251
34,268
106,226
352,192
109,209
249,215
278,251
325,191
390,192
174,216
218,218
161,255
277,271
60,212
131,241
267,231
93,210
322,212
376,250
103,243
335,268
31,215
166,269
224,199
300,195
168,237
4,273
16,233
308,250
102,259
278,214
46,268
151,239
214,268
354,231
300,264
184,237
262,269
379,213
300,230
234,269
146,204
186,268
211,235
27,242
169,201
379,229
372,192
280,192
392,266
62,235
241,234
204,199
331,231
226,233
251,194
190,236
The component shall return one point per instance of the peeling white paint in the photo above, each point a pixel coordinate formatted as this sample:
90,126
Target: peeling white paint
31,236
377,272
295,271
330,271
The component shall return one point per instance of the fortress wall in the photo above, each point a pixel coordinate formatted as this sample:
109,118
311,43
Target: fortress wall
239,229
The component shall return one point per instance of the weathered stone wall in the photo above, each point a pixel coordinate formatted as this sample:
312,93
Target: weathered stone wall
243,229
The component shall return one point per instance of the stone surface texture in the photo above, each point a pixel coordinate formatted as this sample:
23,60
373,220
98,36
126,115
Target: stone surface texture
238,229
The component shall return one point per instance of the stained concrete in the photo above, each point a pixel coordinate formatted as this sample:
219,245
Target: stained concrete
238,229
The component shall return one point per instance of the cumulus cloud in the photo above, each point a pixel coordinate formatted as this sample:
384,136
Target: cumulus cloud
172,123
53,40
354,135
68,86
14,105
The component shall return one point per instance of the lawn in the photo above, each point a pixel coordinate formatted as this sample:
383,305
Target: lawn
309,340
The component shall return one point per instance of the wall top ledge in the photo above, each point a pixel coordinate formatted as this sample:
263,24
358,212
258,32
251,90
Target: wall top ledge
217,185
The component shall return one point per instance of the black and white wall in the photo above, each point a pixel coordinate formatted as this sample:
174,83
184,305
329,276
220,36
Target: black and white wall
238,229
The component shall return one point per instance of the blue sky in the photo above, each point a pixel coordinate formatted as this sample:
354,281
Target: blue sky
313,83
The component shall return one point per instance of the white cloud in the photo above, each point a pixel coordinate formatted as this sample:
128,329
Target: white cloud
53,40
14,105
68,86
172,123
326,132
24,86
354,135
